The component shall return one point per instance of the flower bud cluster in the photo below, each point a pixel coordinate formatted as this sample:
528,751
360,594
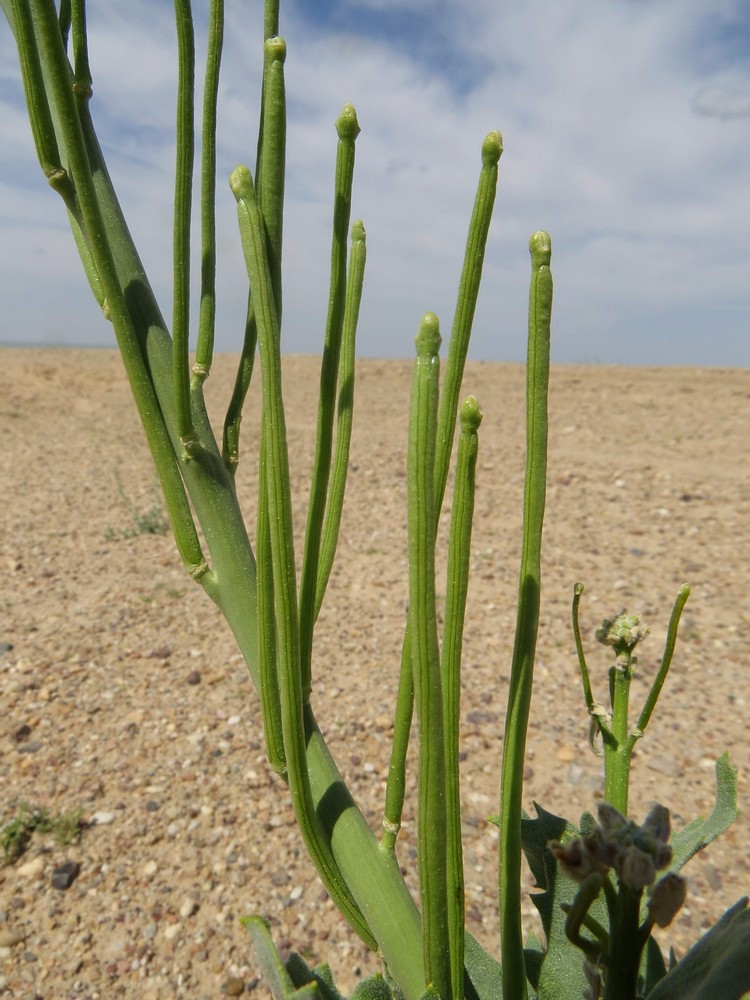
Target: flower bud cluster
623,632
634,853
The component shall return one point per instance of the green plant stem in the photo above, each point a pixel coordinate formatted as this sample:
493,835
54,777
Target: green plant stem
619,750
182,214
522,668
207,315
431,815
347,127
623,957
459,557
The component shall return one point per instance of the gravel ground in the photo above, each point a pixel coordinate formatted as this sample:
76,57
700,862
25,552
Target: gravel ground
122,694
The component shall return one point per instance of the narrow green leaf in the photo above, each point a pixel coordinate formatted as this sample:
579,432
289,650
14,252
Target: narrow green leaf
701,832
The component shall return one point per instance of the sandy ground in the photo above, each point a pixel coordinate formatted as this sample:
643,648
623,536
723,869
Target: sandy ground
122,693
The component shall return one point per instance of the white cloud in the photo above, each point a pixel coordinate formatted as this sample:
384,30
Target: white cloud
618,139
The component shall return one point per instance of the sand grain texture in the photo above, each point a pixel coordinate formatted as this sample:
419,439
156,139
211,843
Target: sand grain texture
648,487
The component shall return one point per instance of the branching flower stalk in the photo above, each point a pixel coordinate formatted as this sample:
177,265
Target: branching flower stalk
623,633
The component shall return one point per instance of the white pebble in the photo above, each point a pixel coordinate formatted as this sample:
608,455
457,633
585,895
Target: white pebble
188,908
102,818
150,869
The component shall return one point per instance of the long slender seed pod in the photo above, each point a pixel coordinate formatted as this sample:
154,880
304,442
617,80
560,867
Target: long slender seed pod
395,789
40,116
63,17
431,820
269,171
587,692
459,553
334,509
282,549
666,660
522,668
231,434
270,196
270,699
347,127
45,139
65,112
182,212
272,159
81,69
207,316
468,291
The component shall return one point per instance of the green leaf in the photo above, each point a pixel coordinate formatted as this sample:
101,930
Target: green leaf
653,969
483,978
374,988
276,975
701,832
717,966
557,973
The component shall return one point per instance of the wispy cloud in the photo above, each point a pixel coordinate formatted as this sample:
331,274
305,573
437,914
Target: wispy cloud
625,131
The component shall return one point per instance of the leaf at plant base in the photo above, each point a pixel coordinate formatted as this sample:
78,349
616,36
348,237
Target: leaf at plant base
701,832
557,973
274,971
653,969
484,975
717,967
374,988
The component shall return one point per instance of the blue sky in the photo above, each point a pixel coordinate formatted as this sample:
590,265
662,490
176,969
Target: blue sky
626,127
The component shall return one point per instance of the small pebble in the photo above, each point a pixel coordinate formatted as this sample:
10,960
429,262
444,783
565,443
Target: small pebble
150,869
194,677
9,938
102,818
65,875
233,987
188,908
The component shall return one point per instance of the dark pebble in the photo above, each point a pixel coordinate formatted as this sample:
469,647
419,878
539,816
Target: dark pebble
30,747
65,875
22,734
280,877
233,987
5,647
152,807
194,677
